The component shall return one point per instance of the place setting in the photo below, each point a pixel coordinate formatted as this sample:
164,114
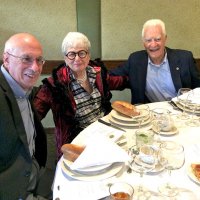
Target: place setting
100,159
163,123
129,116
188,101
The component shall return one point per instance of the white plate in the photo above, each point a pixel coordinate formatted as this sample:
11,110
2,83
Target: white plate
89,170
166,133
191,175
130,124
125,118
187,109
115,168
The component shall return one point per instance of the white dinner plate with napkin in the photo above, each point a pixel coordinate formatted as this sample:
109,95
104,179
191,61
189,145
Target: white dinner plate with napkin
114,169
100,153
100,150
94,170
185,95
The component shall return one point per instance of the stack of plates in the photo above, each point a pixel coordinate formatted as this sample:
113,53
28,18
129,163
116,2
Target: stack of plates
94,173
129,122
188,108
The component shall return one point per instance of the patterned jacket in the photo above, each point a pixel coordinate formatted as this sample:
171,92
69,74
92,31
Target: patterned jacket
55,94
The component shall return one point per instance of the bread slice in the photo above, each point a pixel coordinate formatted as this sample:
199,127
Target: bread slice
196,170
125,108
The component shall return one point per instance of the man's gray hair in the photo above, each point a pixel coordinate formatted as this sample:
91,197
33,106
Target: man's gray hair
154,22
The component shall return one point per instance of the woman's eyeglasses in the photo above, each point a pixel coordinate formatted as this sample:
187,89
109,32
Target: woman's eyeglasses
72,55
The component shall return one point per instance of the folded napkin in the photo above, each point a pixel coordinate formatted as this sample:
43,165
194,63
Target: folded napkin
100,150
185,96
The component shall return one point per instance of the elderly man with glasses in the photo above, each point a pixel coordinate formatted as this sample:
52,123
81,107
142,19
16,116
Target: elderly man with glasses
78,92
158,72
23,144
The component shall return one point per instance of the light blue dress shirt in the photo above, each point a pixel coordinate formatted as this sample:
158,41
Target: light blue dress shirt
25,109
159,84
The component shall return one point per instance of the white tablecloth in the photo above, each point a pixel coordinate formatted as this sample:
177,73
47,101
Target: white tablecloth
66,187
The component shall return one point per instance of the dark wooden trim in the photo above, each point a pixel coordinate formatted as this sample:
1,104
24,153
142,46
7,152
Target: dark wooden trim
198,63
110,64
51,64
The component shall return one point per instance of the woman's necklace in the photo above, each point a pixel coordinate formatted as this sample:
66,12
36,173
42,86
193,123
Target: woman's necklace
82,80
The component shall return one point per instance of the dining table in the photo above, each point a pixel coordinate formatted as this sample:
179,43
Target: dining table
68,186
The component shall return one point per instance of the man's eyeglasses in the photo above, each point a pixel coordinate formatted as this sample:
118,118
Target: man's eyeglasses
27,60
72,55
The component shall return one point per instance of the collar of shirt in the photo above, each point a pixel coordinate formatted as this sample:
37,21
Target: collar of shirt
163,62
16,88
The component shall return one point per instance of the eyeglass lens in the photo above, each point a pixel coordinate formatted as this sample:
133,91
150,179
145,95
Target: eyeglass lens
29,60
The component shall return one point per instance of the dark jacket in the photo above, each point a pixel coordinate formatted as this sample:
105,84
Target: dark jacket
182,66
15,159
55,94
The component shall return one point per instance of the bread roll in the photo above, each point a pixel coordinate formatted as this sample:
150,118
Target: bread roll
125,108
71,151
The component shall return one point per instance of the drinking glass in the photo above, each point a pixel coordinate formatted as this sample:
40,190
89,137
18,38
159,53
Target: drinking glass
121,191
171,157
143,137
144,114
142,163
161,121
183,100
193,104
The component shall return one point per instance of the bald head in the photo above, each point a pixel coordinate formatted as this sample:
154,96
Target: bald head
23,59
21,40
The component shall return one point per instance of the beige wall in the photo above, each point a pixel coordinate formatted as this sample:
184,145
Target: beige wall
48,20
122,22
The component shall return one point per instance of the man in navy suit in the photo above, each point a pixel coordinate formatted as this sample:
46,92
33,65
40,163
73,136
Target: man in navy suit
157,73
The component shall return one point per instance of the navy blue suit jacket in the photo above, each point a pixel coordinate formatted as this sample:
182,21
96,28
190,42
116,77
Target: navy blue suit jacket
182,66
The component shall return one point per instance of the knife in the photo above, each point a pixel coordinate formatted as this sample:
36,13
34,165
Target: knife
175,106
111,125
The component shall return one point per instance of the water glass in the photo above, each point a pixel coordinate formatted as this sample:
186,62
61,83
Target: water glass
121,191
144,137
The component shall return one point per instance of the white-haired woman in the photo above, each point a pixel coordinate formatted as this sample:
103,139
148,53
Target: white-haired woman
78,92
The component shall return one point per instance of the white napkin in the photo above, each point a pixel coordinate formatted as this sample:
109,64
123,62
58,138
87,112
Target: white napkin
185,95
193,153
100,150
97,128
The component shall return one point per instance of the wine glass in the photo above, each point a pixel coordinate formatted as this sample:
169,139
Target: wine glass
183,100
143,162
193,103
171,157
144,114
